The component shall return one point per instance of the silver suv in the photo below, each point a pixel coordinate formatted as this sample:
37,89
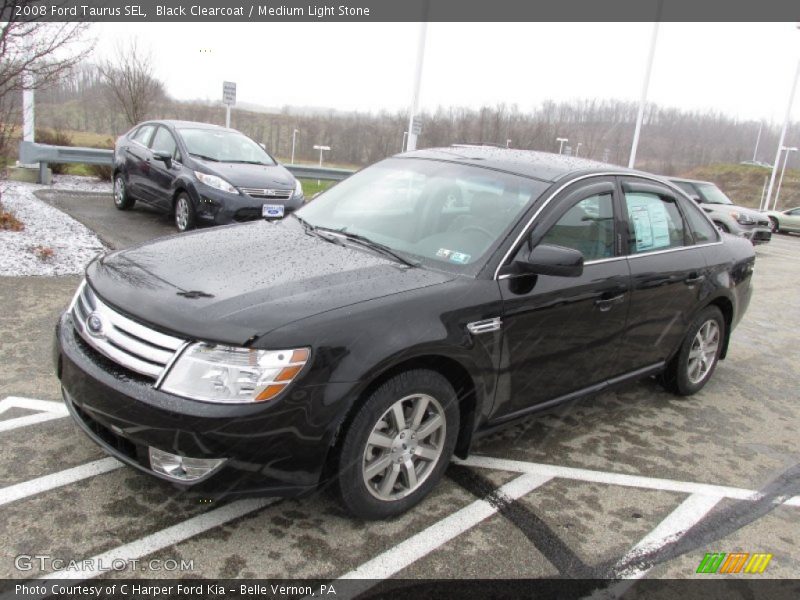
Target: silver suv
744,222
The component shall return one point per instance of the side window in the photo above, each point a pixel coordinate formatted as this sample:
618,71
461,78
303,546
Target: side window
588,226
654,221
143,134
702,231
164,142
687,187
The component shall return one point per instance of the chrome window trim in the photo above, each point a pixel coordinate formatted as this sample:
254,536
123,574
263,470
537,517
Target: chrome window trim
562,187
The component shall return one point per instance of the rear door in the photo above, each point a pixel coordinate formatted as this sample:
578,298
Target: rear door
562,334
137,161
668,272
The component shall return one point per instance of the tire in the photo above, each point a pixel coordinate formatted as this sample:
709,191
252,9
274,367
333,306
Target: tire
122,199
185,217
774,225
388,489
691,368
722,227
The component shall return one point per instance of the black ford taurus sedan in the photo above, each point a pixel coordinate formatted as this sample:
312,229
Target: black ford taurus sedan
426,301
202,174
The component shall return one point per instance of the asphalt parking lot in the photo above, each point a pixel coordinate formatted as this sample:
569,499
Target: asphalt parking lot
633,483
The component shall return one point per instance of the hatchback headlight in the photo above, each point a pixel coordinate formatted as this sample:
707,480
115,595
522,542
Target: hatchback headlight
216,182
229,374
298,189
742,218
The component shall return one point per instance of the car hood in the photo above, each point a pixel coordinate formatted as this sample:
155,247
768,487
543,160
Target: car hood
231,284
250,176
727,209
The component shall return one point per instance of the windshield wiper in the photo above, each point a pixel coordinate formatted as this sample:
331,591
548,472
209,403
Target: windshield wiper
203,157
314,230
247,162
369,243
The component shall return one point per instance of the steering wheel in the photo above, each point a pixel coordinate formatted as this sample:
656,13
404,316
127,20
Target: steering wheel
479,229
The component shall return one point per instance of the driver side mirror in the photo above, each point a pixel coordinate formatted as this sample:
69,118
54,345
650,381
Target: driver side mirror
549,259
164,156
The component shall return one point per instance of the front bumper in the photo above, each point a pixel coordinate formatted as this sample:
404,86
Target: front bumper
215,207
275,448
756,234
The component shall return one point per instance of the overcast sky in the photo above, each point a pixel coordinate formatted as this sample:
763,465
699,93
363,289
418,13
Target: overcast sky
744,70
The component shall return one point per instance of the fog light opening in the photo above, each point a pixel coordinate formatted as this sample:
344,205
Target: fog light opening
183,468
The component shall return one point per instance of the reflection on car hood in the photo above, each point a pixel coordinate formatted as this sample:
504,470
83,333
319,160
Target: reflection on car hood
232,283
251,176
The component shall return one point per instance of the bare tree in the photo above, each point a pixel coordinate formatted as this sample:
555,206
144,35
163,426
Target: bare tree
131,82
35,55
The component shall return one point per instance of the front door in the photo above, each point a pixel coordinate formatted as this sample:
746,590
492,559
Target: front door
160,179
562,334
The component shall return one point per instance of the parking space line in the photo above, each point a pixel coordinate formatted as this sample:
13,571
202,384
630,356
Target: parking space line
608,477
101,563
12,493
47,411
419,545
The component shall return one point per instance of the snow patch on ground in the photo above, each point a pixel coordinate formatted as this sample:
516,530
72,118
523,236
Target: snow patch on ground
73,244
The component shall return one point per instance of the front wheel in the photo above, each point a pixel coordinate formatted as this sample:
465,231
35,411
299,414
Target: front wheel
122,199
774,227
690,369
184,212
398,445
721,227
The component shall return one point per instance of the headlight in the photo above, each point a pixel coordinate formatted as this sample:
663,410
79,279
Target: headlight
742,218
229,374
216,182
298,188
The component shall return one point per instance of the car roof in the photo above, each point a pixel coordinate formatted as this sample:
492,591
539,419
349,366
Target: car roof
544,166
190,124
683,179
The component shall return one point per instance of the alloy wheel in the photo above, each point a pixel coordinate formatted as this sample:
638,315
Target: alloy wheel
703,353
119,190
182,213
404,447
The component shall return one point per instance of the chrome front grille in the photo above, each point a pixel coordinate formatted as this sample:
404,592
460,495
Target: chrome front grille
267,194
124,341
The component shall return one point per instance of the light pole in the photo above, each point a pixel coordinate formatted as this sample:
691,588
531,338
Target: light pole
294,140
758,139
578,148
645,85
403,145
561,142
321,150
508,143
412,130
783,172
783,134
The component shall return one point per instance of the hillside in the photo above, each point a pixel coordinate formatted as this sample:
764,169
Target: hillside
744,184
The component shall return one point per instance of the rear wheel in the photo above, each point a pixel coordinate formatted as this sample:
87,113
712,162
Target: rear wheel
692,367
398,445
122,199
184,212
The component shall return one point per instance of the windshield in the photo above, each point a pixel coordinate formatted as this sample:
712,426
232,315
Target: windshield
224,146
712,194
446,214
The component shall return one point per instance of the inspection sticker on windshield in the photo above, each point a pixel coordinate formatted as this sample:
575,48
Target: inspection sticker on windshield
456,257
272,211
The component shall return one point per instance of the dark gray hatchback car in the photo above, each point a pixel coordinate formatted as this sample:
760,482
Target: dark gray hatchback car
202,174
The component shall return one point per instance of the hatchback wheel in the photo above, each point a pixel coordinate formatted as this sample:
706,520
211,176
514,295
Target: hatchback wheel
697,358
773,225
398,445
184,212
122,199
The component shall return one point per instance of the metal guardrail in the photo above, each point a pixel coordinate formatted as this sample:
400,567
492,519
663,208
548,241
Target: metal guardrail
44,154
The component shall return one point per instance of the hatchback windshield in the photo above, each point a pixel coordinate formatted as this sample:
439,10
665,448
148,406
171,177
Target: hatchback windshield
713,195
446,213
224,146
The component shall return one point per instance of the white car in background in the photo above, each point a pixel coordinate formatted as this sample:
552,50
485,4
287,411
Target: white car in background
784,221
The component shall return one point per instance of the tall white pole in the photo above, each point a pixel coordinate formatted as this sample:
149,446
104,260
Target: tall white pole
763,193
227,115
783,134
411,143
783,172
758,139
403,145
294,137
643,97
28,126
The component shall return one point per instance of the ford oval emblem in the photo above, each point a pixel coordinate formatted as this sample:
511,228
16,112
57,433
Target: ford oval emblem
94,324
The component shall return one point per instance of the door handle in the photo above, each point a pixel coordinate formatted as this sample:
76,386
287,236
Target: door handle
694,278
605,304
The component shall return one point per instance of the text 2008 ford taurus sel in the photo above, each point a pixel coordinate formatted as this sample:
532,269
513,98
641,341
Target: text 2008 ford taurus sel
423,302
